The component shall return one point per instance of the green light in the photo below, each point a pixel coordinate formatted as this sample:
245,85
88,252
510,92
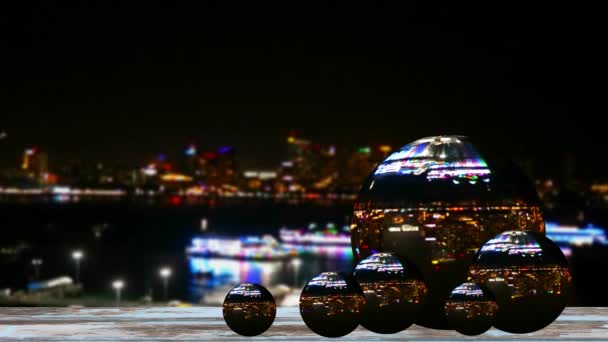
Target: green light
365,150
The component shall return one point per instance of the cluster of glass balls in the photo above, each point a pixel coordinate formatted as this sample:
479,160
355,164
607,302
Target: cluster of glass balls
445,239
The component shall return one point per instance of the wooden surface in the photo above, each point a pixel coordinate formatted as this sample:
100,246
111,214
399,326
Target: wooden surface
206,323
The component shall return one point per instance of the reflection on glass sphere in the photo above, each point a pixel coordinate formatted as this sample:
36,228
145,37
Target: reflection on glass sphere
434,203
528,274
331,304
249,309
393,293
470,310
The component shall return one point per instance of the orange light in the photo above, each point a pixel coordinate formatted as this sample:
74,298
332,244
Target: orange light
385,148
175,177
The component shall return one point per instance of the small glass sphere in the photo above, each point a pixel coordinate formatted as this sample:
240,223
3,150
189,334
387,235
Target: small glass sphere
434,203
249,309
529,277
470,310
394,293
331,304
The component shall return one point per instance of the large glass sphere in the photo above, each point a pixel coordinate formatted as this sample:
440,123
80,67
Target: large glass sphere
249,309
394,293
435,202
528,274
470,310
331,304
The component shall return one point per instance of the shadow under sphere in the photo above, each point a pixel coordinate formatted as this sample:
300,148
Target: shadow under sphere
434,203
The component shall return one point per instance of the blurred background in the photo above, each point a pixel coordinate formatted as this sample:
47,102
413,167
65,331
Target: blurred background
160,154
188,228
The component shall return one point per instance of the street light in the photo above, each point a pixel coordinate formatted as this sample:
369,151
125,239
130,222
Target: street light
165,273
296,267
77,256
118,285
37,263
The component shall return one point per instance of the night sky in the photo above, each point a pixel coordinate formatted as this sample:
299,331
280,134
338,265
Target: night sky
119,82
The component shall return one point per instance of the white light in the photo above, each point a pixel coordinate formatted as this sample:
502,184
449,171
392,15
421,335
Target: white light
118,284
61,190
165,272
267,175
251,174
77,255
296,262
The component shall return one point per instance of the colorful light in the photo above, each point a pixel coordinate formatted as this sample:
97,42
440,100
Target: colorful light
439,158
175,177
190,150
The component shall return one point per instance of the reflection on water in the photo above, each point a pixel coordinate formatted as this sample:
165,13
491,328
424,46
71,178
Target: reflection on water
211,277
212,272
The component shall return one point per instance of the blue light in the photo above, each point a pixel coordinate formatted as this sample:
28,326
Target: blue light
576,236
190,151
224,149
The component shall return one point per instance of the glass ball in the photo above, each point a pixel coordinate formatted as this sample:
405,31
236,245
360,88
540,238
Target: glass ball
434,203
470,310
529,277
331,303
394,293
249,309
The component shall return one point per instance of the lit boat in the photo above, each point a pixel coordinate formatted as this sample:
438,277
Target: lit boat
329,242
567,237
312,236
243,248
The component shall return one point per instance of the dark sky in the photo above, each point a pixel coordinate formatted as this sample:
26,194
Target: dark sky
120,81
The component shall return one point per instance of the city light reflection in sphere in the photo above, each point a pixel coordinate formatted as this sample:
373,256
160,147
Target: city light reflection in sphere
331,304
434,203
394,293
529,277
249,309
470,310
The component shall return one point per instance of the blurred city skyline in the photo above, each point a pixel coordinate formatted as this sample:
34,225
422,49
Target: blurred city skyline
564,165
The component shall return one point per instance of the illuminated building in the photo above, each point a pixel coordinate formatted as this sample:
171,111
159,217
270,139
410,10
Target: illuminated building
434,203
219,168
249,309
259,180
191,161
331,303
529,277
394,293
35,164
358,166
470,310
305,159
309,166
